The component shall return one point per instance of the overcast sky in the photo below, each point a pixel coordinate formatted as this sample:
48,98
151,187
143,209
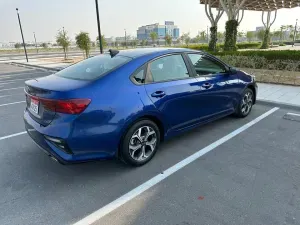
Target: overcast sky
46,17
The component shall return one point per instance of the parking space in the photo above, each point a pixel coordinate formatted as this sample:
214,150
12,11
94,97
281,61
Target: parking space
251,178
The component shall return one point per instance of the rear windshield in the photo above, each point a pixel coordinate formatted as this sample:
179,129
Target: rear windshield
93,68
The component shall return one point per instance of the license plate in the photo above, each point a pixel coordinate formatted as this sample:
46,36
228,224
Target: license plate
34,106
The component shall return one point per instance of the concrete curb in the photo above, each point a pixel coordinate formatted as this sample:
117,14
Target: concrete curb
35,66
278,104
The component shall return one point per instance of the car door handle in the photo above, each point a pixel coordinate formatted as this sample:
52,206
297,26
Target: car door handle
158,94
207,85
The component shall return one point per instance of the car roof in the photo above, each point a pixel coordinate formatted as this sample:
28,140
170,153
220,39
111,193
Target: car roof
135,53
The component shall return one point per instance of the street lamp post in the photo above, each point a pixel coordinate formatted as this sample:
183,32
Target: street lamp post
22,34
125,39
295,32
37,51
99,30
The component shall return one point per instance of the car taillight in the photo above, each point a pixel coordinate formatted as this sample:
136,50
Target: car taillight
71,106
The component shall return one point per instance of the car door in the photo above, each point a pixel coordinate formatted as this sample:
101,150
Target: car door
217,84
173,89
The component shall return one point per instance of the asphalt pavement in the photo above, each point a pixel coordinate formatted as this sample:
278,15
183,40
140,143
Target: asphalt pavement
250,178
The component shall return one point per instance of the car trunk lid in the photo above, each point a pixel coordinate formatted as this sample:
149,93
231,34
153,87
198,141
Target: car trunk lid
49,95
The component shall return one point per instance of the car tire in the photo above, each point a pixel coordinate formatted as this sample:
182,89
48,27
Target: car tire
140,143
245,105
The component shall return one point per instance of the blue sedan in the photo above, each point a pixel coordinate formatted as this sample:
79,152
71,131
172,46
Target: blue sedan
124,104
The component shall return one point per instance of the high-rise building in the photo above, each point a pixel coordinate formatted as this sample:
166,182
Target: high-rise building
143,33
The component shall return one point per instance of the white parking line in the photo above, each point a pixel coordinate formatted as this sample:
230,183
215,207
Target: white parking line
29,78
158,178
12,103
7,83
3,96
11,88
20,74
12,135
293,114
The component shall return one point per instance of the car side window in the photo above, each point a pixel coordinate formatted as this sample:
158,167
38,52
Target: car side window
205,66
170,67
138,76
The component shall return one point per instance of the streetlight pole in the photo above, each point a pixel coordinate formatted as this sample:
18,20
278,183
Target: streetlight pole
99,30
37,51
125,38
22,34
295,32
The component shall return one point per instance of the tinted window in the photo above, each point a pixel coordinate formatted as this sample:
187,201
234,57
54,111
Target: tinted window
168,68
92,68
204,66
138,76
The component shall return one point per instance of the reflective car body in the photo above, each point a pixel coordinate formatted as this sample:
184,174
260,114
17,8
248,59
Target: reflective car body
123,95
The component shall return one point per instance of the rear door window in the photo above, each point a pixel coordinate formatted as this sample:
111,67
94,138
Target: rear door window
167,68
205,66
93,68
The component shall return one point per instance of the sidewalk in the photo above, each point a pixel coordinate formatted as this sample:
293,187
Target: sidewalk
42,63
283,94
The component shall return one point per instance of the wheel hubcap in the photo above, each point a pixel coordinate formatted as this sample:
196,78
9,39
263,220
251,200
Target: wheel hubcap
247,103
142,143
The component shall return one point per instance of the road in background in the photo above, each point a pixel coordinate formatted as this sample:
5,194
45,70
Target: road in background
7,57
252,178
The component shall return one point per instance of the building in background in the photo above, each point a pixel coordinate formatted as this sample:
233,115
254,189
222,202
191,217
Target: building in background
143,33
259,29
110,41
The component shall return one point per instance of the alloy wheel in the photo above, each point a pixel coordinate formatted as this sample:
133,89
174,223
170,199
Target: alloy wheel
247,102
142,143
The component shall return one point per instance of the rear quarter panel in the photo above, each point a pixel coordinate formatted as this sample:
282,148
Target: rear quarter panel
116,104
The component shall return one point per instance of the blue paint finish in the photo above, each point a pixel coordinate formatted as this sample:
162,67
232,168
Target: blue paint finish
116,103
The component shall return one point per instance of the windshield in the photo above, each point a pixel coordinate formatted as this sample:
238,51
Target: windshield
93,68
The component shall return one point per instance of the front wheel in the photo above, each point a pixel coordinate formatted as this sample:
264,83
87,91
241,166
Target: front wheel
140,143
246,103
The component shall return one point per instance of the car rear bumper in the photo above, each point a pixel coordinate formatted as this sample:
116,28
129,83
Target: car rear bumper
39,133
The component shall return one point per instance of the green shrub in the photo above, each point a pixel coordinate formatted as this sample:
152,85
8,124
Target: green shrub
201,47
253,45
268,55
244,45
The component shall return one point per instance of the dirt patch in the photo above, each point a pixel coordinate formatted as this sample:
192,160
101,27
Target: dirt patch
73,59
275,76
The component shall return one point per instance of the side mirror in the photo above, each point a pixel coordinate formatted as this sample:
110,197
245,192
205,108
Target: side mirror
233,70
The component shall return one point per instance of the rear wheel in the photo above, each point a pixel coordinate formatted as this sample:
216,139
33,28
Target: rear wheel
140,143
246,103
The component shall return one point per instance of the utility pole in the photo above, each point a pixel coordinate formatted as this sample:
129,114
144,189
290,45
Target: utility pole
125,39
295,32
99,30
37,51
22,34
